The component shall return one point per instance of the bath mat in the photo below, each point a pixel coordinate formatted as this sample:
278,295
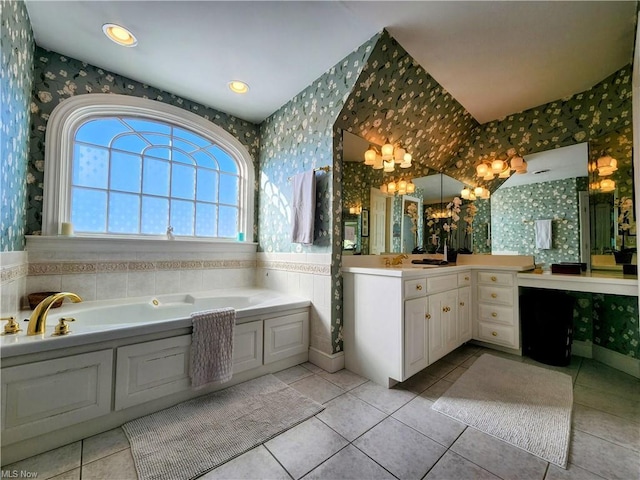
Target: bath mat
524,405
193,437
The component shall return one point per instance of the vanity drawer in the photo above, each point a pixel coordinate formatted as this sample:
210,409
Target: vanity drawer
495,313
500,334
494,278
464,279
442,283
499,295
415,288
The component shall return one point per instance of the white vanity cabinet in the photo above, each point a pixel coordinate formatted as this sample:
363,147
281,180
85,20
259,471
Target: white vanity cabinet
397,325
496,312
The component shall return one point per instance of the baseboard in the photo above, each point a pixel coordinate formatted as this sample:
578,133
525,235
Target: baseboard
582,348
329,362
617,360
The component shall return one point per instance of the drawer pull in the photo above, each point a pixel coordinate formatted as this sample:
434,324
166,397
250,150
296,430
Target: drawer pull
446,309
495,334
494,279
466,278
462,304
419,287
428,316
494,314
494,295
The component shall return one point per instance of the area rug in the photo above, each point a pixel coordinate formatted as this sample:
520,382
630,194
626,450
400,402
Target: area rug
193,437
524,405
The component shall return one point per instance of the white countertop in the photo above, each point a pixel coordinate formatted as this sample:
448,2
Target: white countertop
609,282
416,270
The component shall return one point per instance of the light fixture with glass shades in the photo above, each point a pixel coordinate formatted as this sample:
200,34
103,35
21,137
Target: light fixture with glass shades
401,187
501,166
607,185
238,86
355,210
605,165
119,35
387,157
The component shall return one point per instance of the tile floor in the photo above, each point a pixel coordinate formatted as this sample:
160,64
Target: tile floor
369,432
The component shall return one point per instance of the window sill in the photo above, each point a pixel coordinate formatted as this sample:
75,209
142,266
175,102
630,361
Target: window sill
86,244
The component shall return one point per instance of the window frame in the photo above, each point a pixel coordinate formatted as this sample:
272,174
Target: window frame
69,115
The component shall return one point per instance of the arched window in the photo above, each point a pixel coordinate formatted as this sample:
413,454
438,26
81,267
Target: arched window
118,165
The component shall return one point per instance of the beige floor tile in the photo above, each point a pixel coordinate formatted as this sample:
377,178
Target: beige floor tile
51,463
386,399
606,402
103,445
436,390
350,416
344,379
293,374
618,430
317,388
349,464
603,458
118,465
256,464
453,466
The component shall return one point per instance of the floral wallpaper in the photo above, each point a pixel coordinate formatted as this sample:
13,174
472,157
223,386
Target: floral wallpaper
17,46
482,227
57,77
515,209
298,137
615,324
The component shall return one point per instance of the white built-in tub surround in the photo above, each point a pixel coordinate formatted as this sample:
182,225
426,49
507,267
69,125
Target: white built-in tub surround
13,274
113,268
307,275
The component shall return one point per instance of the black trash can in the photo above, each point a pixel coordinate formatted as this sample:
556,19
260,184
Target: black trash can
547,325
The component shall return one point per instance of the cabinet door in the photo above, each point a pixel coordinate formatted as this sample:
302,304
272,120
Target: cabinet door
41,397
436,327
285,336
416,336
247,346
450,320
464,314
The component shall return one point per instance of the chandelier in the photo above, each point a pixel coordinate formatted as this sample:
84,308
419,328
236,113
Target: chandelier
477,192
501,166
605,166
387,157
401,188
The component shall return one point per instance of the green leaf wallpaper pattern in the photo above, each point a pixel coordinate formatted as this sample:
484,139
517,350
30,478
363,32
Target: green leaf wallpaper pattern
58,77
17,46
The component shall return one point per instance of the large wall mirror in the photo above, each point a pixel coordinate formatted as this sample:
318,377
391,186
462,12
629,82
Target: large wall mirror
611,195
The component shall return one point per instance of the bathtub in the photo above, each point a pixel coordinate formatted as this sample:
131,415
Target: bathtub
99,321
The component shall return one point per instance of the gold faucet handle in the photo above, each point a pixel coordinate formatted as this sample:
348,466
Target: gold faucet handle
11,326
62,328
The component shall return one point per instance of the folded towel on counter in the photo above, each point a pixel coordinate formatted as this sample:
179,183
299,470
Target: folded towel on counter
543,234
211,356
304,207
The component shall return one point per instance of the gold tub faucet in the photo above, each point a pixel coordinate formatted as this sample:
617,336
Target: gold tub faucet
38,319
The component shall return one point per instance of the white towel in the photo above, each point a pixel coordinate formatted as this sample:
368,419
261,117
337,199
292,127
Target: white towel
304,207
211,356
543,234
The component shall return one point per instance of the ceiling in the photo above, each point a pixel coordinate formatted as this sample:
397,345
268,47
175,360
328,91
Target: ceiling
494,57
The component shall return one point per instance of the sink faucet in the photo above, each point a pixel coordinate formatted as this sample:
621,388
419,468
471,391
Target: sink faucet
398,260
38,319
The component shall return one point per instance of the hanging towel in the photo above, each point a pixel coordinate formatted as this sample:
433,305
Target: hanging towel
304,207
211,356
543,234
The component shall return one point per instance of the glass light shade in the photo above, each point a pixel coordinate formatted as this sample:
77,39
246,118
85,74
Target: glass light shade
402,191
391,187
472,196
383,188
497,166
370,157
522,169
606,161
486,194
517,163
605,171
505,173
407,158
402,185
389,166
466,191
378,164
478,191
352,210
482,170
411,187
607,185
387,151
398,154
489,175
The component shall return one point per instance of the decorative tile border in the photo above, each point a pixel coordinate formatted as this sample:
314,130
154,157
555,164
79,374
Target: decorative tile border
9,274
313,268
65,268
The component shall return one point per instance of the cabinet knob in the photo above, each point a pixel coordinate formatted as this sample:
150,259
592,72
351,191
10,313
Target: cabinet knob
494,295
494,314
462,304
495,334
419,287
466,278
428,316
494,279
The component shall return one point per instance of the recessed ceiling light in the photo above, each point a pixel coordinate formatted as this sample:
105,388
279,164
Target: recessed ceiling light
237,86
119,35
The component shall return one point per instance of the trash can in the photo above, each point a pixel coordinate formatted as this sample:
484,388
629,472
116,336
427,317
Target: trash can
546,318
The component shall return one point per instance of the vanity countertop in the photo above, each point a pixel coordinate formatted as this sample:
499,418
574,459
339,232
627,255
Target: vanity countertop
594,281
416,270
